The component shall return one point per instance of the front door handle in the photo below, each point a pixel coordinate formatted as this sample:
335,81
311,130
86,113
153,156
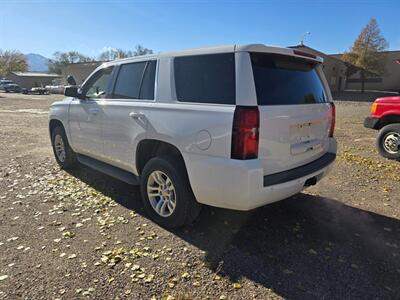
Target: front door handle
94,111
136,115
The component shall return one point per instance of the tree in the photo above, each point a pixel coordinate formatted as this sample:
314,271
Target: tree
115,53
12,60
366,52
112,53
61,59
140,50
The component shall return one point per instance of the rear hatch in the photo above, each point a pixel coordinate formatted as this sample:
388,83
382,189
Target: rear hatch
295,113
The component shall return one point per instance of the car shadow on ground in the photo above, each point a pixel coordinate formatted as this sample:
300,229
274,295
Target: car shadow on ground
304,247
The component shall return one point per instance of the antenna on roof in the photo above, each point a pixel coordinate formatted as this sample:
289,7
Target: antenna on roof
303,37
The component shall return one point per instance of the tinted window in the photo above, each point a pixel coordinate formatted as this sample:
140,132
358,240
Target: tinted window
128,80
96,86
205,78
147,88
283,80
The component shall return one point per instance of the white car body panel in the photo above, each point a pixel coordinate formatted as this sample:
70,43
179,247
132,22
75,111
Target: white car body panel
59,111
187,129
290,135
85,127
238,184
121,132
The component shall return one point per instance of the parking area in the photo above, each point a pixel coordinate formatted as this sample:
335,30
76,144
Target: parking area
81,234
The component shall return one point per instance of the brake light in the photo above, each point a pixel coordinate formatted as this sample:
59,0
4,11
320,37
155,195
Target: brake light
333,121
245,132
306,54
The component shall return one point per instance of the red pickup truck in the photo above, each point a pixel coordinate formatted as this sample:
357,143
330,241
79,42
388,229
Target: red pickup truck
385,117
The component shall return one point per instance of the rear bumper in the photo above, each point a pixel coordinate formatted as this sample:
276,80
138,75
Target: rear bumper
300,172
371,122
241,185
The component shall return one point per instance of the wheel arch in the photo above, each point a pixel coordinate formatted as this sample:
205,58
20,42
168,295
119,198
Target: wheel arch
387,120
53,123
150,148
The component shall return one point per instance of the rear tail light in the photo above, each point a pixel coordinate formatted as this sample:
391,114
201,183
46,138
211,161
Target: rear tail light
333,121
245,133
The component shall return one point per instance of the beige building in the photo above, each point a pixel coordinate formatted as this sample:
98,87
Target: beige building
344,76
29,80
334,68
389,81
80,71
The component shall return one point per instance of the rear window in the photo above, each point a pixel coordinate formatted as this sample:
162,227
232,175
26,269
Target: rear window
205,78
285,80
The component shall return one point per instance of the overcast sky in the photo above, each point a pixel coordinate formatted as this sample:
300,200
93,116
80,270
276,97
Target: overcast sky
89,26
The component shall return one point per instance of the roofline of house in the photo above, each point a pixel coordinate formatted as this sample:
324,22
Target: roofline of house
33,74
386,51
88,62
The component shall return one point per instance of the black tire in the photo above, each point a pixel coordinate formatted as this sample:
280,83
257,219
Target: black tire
187,208
384,133
7,91
70,160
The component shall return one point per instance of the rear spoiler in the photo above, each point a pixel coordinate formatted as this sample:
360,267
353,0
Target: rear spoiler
279,50
307,55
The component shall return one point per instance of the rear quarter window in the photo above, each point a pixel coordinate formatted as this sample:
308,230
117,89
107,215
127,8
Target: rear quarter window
285,80
205,78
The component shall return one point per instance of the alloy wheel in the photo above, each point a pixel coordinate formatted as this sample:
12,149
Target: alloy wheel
59,148
161,193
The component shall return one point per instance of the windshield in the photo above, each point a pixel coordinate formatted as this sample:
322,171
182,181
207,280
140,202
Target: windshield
286,80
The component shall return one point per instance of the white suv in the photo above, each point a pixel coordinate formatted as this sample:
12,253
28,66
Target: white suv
232,126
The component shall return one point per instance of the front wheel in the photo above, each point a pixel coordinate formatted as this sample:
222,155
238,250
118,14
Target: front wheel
167,196
63,153
388,141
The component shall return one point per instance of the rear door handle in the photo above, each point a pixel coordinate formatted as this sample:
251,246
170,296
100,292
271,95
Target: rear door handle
136,115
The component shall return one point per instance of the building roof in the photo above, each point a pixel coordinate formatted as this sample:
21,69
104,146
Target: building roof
386,51
88,62
35,74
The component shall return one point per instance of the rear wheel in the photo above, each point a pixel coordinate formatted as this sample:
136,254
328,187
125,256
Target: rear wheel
63,153
388,141
166,193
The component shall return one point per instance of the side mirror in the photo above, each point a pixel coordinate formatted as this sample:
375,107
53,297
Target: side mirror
71,80
72,91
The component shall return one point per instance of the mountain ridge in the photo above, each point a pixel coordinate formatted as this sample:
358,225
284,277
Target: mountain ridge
37,62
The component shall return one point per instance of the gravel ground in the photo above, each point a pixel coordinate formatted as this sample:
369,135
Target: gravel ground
84,235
